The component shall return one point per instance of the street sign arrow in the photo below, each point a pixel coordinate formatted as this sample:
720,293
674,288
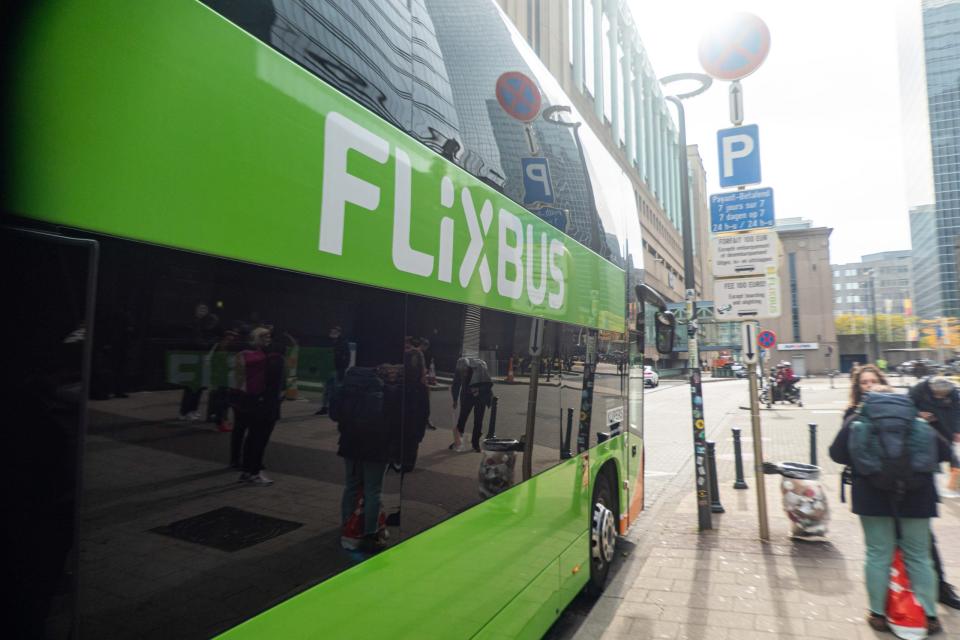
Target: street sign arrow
536,336
748,340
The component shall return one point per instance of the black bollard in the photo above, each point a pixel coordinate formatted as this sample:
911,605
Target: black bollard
565,452
492,429
813,443
738,460
715,505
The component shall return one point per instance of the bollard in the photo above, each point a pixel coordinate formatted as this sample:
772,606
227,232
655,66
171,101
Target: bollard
740,483
813,443
715,505
566,453
492,428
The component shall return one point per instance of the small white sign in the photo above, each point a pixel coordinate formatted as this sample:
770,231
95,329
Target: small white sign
798,346
750,298
614,416
749,351
744,254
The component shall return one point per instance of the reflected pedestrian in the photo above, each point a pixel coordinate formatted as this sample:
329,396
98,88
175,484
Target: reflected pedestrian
259,372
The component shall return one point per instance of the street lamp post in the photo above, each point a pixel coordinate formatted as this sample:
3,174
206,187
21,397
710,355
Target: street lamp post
873,313
697,410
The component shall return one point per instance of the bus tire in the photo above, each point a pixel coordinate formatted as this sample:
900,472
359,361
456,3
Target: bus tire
603,533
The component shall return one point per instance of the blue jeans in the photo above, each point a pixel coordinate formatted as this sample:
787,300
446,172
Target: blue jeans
368,477
880,537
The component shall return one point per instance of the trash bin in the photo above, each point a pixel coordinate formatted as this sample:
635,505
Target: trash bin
804,500
497,465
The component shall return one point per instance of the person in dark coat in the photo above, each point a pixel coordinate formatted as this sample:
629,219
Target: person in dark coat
938,402
259,371
880,515
365,446
471,392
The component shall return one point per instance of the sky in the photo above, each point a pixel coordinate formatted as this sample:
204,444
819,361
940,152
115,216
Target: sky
827,100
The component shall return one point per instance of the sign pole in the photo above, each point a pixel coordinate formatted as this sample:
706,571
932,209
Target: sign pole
758,477
697,414
535,349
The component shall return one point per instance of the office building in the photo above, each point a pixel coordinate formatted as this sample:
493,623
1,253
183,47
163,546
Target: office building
941,37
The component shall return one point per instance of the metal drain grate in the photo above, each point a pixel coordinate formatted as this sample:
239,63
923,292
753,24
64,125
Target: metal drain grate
228,528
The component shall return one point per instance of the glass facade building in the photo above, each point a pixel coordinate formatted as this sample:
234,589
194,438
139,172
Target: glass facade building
941,34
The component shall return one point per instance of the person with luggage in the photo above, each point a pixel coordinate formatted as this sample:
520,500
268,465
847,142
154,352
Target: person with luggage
366,410
938,402
893,454
472,390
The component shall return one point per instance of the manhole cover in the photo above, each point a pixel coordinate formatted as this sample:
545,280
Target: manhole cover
228,528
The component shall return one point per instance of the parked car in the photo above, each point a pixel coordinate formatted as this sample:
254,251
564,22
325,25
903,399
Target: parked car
919,368
650,377
738,370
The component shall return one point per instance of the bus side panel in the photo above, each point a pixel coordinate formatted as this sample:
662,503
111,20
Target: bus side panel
451,580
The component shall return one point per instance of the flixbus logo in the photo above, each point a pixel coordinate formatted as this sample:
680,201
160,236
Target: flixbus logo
527,262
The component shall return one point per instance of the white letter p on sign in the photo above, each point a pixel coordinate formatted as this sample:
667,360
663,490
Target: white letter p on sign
730,154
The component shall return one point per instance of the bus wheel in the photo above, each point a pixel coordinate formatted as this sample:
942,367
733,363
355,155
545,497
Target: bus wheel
603,534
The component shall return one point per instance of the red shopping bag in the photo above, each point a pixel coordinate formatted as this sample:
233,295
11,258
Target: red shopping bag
905,614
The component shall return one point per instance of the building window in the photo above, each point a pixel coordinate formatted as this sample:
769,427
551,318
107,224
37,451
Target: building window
852,285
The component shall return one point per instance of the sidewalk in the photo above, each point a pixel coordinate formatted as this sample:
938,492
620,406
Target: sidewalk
725,583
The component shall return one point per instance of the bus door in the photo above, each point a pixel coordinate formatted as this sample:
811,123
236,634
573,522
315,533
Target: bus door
49,293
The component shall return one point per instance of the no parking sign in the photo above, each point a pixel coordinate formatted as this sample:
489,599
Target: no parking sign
518,95
767,339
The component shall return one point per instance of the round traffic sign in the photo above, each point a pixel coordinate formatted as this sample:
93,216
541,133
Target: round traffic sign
518,95
735,47
767,339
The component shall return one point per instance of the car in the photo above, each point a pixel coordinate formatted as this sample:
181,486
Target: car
919,368
738,370
650,377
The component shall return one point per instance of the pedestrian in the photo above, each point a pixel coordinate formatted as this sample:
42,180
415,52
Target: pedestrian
938,402
472,390
341,360
862,380
430,379
366,410
200,335
895,502
259,374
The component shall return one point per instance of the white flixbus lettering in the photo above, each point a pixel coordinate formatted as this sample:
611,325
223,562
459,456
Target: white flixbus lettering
339,187
509,253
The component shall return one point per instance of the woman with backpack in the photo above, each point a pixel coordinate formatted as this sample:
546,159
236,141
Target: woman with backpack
893,454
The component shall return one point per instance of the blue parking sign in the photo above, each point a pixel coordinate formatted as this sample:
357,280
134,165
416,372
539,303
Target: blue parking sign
537,186
739,155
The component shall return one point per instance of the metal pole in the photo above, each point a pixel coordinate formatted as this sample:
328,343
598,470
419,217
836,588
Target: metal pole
531,418
740,483
693,355
758,459
715,505
813,443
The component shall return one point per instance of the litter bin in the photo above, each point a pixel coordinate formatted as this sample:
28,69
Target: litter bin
497,465
804,500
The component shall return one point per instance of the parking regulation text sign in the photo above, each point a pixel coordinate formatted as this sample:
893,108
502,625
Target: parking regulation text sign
742,254
741,210
750,298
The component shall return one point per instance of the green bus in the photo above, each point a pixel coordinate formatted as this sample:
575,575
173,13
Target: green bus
305,302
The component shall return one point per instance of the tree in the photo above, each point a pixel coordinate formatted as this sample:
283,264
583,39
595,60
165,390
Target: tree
890,327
